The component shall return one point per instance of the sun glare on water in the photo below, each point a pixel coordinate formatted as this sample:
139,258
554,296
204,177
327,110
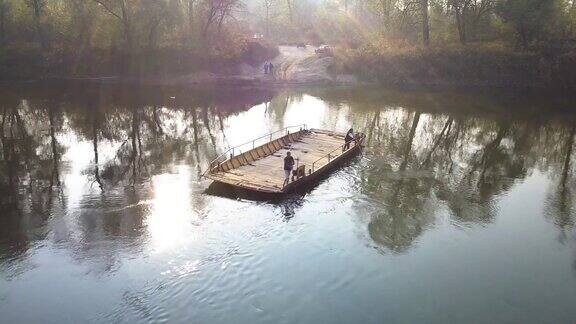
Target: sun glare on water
171,213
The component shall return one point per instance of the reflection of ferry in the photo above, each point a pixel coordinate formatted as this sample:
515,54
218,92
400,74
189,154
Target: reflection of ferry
257,165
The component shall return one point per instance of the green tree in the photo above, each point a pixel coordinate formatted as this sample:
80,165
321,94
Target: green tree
425,23
4,9
468,13
529,18
120,10
38,7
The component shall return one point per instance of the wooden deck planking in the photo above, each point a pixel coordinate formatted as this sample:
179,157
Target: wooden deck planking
268,173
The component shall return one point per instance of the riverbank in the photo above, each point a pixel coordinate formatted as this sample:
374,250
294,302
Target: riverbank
460,66
28,61
293,66
409,67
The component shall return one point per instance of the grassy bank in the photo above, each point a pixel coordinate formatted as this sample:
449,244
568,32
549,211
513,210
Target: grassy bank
485,65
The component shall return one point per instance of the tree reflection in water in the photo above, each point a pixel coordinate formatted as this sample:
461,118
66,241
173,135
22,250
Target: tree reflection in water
467,161
130,142
559,205
421,154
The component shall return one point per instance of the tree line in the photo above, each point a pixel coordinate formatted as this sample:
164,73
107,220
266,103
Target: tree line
78,33
81,35
125,23
520,22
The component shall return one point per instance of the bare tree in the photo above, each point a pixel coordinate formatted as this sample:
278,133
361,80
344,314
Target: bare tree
425,23
37,10
267,7
191,20
469,12
112,7
290,7
4,8
216,12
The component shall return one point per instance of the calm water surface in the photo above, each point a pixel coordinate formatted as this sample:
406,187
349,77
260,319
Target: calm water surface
460,209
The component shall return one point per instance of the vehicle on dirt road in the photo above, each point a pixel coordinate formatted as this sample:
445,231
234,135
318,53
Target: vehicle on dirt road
300,45
323,49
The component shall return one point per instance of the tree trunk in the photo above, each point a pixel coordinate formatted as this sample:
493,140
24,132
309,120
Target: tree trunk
128,46
569,145
134,147
196,147
206,121
290,8
95,149
84,38
267,20
54,144
37,8
151,58
207,26
572,16
372,127
408,148
461,24
522,37
126,26
425,23
152,35
3,10
438,140
190,22
490,149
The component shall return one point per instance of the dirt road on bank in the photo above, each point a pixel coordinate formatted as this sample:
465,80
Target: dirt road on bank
293,66
299,66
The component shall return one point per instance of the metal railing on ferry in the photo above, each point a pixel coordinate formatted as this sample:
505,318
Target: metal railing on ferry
244,147
330,155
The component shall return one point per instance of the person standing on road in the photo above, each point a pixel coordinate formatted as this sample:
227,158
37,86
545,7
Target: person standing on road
271,68
266,68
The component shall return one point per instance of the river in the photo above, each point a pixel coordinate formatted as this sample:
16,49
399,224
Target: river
459,209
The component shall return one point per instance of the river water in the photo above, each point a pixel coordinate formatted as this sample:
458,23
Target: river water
459,209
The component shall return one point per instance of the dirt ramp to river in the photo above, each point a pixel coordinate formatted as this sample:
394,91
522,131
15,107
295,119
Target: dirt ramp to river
293,66
304,66
308,70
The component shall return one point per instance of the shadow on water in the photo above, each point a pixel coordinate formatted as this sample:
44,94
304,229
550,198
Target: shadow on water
288,203
228,191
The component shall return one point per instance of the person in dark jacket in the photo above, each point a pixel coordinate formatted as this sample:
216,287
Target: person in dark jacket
347,139
288,166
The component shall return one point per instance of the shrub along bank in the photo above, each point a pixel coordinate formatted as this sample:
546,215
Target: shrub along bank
26,61
460,66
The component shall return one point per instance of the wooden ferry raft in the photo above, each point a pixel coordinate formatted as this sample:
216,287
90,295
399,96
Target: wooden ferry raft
259,167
